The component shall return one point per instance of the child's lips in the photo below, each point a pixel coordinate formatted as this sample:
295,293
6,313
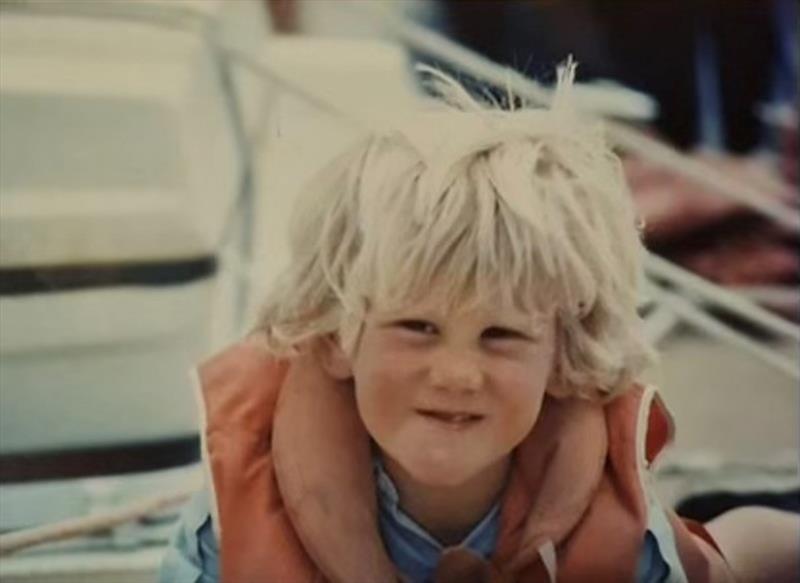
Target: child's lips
451,419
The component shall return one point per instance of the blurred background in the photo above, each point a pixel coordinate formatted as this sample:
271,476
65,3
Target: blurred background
150,151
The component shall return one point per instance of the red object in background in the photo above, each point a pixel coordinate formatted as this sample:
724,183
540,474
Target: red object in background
712,235
673,207
748,255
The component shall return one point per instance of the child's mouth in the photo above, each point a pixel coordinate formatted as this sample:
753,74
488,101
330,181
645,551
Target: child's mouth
454,420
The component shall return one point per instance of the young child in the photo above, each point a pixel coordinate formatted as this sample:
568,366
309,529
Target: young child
443,386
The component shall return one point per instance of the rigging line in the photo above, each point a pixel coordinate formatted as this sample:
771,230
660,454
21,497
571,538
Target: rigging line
661,268
85,525
702,320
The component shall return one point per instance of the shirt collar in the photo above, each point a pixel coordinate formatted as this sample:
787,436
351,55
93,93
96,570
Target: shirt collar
414,550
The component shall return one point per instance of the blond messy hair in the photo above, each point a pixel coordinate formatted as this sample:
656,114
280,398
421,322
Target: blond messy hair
474,203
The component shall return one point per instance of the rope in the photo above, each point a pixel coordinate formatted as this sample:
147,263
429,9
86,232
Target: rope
73,527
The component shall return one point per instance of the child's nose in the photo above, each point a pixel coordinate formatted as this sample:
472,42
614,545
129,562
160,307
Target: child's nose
457,371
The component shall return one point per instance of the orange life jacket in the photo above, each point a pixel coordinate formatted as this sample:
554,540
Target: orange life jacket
294,492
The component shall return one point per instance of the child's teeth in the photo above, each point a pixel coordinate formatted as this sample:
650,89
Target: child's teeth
453,417
458,418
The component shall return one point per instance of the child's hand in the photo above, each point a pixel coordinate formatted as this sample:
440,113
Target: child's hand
759,544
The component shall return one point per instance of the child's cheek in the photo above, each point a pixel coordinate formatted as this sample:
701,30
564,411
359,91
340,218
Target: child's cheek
387,367
395,354
522,385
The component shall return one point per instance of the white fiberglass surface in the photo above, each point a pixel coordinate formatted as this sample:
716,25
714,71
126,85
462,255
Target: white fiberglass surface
68,142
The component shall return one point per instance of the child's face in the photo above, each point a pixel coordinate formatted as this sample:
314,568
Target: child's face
448,394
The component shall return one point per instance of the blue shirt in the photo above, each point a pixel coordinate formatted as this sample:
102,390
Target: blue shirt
193,555
412,549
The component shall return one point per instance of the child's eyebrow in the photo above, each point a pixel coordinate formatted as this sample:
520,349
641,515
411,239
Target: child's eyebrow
532,332
387,319
534,326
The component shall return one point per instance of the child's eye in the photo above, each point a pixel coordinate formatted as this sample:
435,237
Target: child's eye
417,326
500,333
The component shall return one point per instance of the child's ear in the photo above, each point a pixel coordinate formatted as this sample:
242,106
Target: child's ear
333,358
